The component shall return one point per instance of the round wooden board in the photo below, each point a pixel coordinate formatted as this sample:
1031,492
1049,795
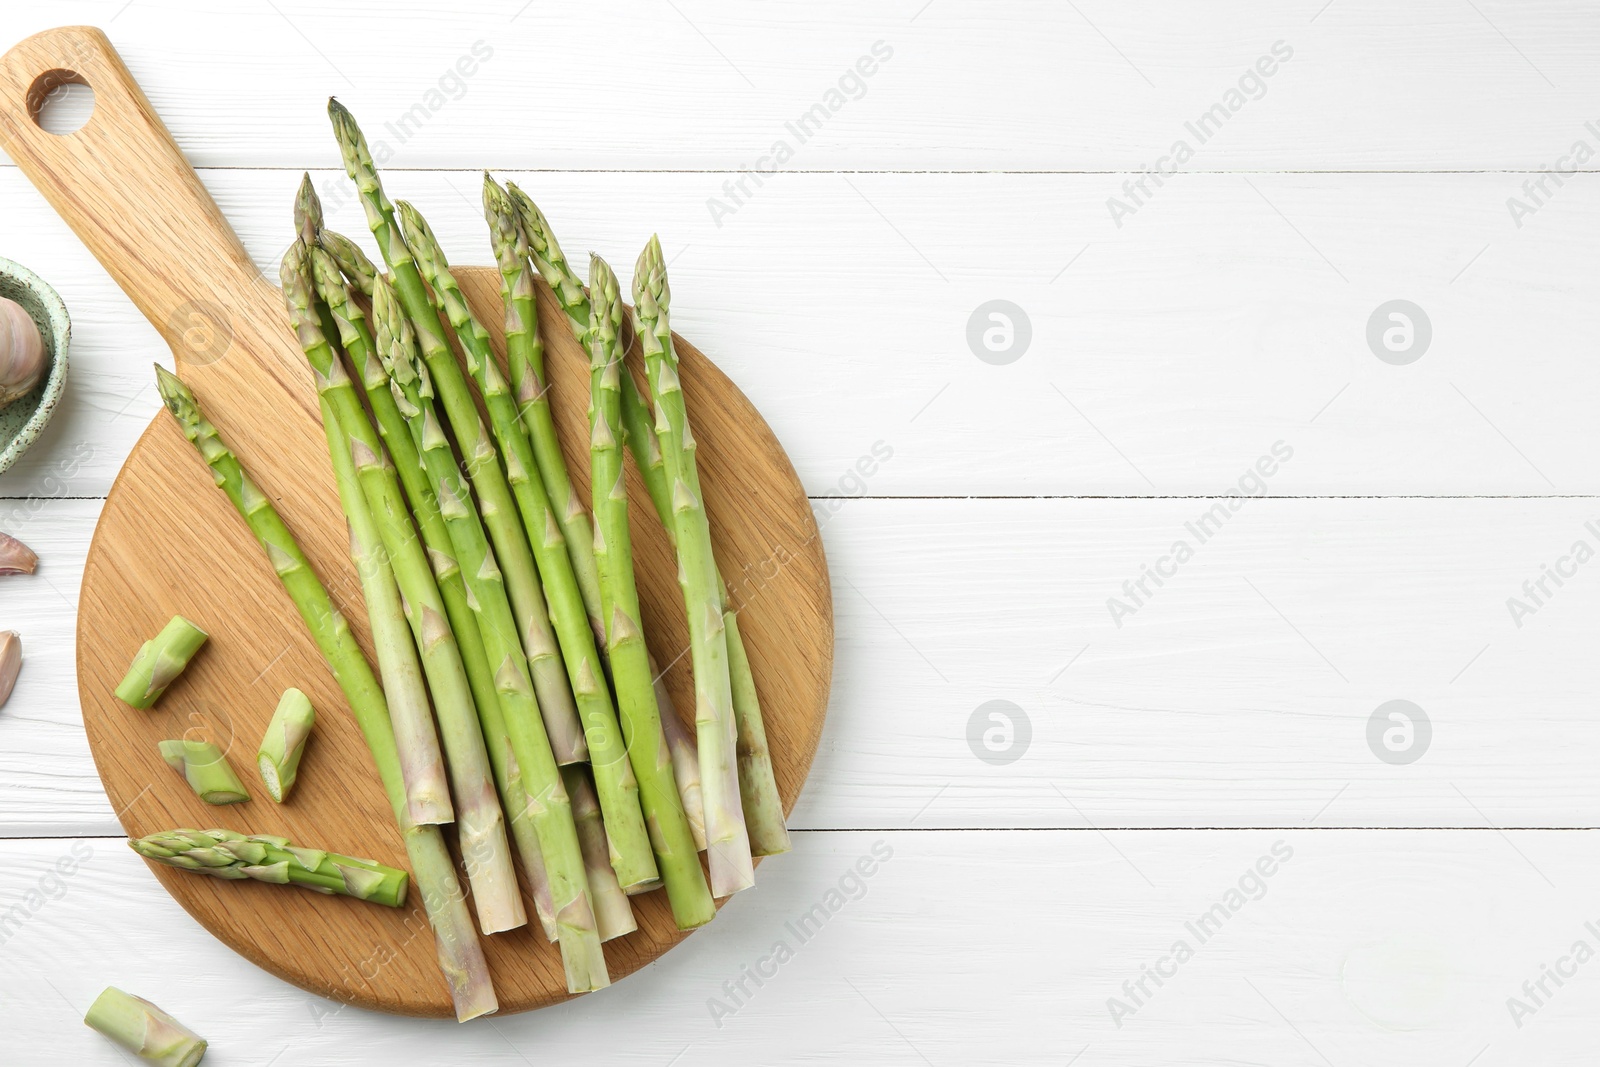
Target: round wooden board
169,543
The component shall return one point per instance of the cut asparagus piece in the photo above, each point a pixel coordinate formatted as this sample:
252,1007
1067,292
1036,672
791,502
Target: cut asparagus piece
460,955
511,545
613,772
613,915
284,743
356,337
159,662
264,858
206,769
144,1029
480,822
528,756
728,842
676,855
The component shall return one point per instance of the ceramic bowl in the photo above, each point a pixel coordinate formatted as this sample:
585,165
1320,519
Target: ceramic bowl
24,419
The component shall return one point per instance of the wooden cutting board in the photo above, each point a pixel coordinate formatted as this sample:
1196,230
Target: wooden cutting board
169,543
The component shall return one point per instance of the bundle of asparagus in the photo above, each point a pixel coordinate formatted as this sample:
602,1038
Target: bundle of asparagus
507,625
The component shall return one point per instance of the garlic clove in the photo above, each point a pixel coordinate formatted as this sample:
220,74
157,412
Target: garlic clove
16,557
21,352
10,663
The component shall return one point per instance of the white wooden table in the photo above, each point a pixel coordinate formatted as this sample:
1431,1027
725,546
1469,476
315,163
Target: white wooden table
1210,728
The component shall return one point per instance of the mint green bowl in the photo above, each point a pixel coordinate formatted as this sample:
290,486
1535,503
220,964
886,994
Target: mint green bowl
24,419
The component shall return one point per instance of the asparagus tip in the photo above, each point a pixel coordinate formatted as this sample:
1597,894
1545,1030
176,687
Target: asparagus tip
307,211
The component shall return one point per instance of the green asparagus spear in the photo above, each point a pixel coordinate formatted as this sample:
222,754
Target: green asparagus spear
284,742
480,822
548,259
145,1030
727,837
460,955
421,759
159,662
525,362
356,338
608,755
477,448
674,844
528,748
206,769
265,858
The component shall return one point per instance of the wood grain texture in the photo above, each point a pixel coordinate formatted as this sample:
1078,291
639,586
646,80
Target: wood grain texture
163,549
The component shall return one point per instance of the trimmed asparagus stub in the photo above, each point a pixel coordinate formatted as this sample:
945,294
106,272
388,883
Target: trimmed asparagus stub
206,769
159,662
614,777
525,761
728,842
613,915
285,742
144,1029
266,858
460,955
670,836
478,452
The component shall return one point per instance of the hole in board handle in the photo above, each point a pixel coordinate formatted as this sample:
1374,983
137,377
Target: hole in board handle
60,101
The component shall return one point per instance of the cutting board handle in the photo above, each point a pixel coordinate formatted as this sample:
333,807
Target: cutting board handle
127,191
